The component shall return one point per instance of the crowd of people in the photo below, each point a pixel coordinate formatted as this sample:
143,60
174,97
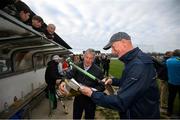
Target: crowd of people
103,62
22,12
168,72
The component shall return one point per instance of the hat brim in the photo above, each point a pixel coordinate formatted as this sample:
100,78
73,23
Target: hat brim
107,46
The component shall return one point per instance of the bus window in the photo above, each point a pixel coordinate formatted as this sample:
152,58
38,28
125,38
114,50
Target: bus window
48,58
38,60
23,61
5,66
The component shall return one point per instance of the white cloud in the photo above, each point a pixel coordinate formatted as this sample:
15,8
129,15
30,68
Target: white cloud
153,24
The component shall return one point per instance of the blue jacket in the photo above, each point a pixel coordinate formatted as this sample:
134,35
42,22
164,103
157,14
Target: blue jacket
138,96
173,66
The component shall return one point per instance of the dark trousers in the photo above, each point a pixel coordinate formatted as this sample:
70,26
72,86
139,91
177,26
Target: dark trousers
83,103
173,89
106,71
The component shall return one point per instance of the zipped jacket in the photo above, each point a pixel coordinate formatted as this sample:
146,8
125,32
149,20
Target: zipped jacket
138,94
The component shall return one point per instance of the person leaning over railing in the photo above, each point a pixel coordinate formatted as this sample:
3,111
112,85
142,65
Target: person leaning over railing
50,31
24,14
37,23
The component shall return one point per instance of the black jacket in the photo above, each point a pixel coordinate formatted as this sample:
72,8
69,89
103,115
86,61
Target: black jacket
52,74
85,80
138,96
161,69
48,35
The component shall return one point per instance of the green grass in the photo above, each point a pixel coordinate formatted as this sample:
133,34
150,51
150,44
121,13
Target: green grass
116,68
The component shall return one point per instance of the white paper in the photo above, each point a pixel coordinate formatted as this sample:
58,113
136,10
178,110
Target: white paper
73,84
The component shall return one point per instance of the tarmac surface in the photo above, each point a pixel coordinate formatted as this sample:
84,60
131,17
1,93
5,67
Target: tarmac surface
42,110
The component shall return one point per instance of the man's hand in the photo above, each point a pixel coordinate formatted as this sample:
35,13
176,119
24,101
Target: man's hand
62,88
86,91
107,81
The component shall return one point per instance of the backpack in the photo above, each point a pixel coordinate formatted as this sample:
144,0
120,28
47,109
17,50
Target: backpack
161,70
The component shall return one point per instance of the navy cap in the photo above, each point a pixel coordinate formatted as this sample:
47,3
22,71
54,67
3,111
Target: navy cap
116,37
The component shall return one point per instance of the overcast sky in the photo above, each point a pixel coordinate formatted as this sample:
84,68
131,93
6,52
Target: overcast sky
154,25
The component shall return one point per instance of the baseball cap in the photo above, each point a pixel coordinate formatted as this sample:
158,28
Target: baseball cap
56,57
116,37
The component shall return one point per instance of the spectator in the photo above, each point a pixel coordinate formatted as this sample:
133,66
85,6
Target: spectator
37,23
138,96
173,67
51,75
50,30
20,10
82,102
97,61
76,59
24,15
81,57
65,65
163,76
105,64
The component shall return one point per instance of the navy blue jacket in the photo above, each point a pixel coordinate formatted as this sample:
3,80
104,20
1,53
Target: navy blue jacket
138,96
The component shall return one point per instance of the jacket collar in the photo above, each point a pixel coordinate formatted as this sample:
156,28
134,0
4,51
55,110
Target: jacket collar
129,55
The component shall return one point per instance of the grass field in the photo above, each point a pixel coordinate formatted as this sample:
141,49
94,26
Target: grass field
116,68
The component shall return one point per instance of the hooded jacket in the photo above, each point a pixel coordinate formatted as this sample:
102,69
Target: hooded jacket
138,96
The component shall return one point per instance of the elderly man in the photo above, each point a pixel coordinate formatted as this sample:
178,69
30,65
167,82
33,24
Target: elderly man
82,102
138,96
49,32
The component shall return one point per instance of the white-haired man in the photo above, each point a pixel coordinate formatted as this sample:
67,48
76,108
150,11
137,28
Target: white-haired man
50,30
82,102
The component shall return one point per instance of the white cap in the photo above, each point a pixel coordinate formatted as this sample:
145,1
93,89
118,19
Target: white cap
56,57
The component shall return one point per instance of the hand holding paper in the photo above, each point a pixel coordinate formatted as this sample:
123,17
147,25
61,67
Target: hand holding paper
86,90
